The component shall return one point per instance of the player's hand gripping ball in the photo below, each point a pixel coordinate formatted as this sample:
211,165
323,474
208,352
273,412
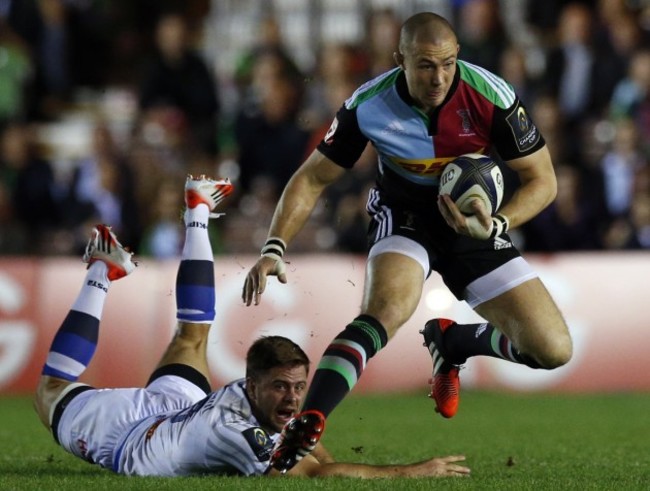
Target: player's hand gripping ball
473,176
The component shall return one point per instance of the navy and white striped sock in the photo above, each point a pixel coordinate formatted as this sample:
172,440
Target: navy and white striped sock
76,340
195,294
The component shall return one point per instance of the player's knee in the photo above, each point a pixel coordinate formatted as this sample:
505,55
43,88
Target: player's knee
557,352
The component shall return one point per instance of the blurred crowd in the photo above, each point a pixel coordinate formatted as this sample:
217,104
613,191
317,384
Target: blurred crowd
145,105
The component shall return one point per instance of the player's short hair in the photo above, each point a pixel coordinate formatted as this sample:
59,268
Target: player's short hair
433,24
271,352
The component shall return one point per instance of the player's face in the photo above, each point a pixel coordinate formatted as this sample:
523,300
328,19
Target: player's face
276,397
429,69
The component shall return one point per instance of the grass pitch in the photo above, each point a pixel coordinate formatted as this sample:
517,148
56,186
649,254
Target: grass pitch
512,442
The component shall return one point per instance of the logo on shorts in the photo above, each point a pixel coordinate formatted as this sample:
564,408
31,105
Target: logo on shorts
500,243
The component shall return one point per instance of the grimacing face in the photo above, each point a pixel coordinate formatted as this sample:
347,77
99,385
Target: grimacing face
429,69
277,395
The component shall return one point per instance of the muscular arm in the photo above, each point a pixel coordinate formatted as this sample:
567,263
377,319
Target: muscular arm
537,190
538,187
301,195
294,208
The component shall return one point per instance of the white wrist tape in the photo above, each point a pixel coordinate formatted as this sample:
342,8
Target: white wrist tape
476,230
500,225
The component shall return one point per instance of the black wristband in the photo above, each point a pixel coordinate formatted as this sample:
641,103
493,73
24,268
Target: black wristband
274,245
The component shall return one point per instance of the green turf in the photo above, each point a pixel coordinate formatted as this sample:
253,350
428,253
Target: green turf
512,442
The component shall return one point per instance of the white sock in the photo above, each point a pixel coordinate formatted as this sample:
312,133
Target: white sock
197,241
93,293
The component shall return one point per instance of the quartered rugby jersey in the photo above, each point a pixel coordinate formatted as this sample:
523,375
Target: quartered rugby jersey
481,114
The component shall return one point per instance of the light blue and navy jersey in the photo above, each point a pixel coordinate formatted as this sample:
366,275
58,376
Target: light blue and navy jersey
481,114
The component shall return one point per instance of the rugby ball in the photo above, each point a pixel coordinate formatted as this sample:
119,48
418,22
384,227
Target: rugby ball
473,176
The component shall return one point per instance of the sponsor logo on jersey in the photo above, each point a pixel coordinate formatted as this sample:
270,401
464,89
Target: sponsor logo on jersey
500,243
260,443
523,129
330,132
422,166
427,167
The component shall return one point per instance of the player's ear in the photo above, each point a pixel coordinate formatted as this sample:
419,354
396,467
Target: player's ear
250,387
399,59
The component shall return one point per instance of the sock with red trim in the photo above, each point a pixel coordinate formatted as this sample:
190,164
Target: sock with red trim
343,363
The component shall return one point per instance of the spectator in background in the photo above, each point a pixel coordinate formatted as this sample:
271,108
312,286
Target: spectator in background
269,41
640,218
42,25
102,191
630,98
571,62
630,232
631,91
512,66
570,223
619,166
271,141
548,116
163,237
618,38
480,33
571,70
382,34
16,69
340,68
31,210
178,79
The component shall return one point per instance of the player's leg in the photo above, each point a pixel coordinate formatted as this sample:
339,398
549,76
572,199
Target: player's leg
393,286
195,283
76,340
395,275
524,326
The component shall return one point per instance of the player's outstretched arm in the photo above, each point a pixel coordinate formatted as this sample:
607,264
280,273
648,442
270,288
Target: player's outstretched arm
435,467
291,213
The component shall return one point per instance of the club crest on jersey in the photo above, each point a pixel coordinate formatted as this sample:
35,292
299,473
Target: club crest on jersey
523,129
260,443
331,131
465,122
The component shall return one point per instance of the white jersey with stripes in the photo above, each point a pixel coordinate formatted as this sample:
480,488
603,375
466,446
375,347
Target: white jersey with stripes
218,434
